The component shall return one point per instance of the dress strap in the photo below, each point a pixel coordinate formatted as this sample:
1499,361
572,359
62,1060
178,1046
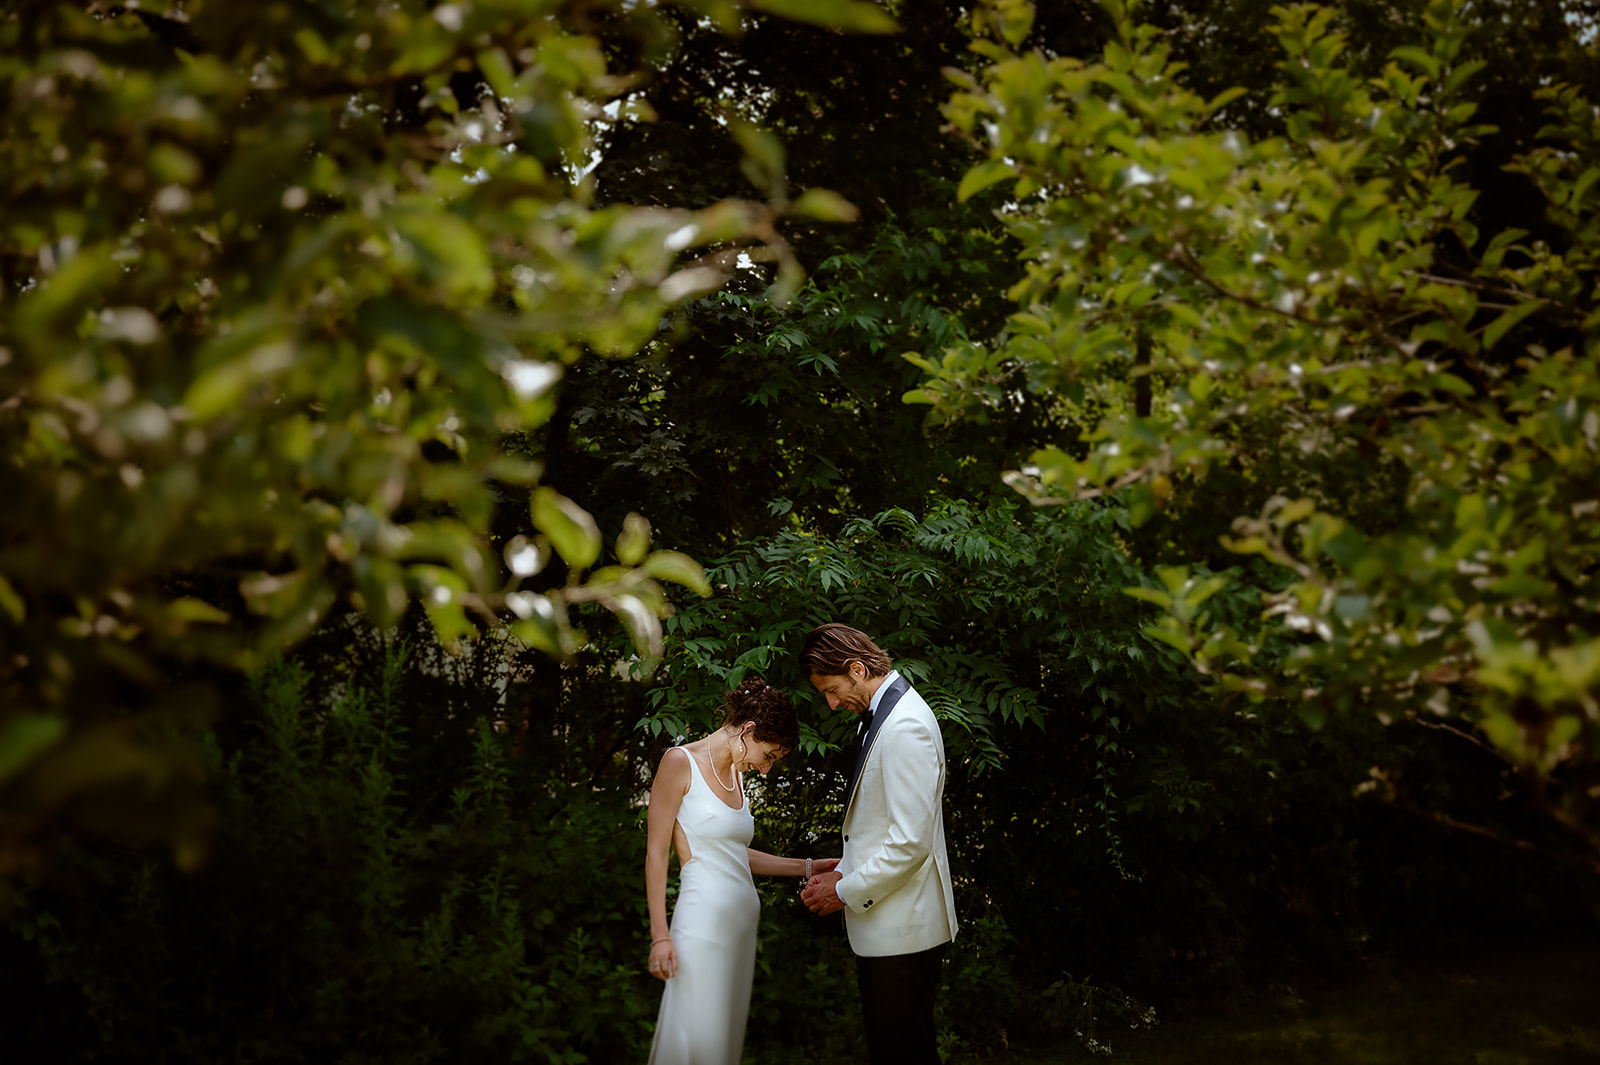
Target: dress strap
694,765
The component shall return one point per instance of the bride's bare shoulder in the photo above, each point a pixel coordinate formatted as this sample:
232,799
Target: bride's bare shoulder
676,756
672,773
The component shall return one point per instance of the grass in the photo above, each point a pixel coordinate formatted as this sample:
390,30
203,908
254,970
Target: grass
1473,1004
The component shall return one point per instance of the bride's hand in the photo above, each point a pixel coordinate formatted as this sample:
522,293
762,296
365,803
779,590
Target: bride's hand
663,960
823,865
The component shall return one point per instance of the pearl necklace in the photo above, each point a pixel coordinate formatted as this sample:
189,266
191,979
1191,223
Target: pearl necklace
713,759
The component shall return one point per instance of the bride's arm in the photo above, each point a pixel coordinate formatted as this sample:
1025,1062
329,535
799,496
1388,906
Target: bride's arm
666,796
764,864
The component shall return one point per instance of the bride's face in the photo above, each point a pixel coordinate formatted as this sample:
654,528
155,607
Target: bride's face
758,757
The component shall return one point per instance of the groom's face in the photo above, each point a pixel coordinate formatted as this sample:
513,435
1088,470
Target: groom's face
848,690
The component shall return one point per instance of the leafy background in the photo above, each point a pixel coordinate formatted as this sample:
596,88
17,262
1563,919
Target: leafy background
371,381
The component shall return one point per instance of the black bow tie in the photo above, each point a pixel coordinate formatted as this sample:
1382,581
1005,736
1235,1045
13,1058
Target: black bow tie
865,722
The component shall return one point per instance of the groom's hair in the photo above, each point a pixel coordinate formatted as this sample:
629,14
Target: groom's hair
828,650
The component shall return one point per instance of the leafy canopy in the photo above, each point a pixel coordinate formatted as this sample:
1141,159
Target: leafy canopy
1209,306
276,282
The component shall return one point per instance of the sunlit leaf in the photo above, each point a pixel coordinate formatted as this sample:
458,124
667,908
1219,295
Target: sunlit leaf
572,530
854,15
189,609
825,205
634,541
679,568
1420,58
982,176
1150,595
763,161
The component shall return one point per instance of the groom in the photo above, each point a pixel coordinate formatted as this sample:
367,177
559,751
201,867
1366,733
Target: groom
894,879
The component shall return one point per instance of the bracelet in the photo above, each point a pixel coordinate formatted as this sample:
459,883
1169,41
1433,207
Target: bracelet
661,939
808,868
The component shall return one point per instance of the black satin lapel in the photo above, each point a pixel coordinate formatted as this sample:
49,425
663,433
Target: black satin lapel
886,704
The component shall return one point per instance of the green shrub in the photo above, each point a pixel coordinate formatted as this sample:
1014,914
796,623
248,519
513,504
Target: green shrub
353,910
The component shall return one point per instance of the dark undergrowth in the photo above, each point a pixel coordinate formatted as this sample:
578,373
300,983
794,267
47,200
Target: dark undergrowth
1466,999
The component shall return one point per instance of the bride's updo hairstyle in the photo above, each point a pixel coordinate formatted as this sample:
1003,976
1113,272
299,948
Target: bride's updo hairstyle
756,700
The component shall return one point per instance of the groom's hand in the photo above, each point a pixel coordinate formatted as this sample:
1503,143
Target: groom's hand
821,895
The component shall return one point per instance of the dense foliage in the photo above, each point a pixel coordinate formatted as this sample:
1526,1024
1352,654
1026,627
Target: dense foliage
328,378
422,859
1319,339
376,893
1138,830
277,284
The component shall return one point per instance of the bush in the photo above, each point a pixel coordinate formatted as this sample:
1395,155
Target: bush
354,909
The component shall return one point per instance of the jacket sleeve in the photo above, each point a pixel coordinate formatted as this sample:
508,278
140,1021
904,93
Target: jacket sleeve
912,764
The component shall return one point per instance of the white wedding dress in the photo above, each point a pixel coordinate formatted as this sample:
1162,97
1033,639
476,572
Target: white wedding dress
704,1007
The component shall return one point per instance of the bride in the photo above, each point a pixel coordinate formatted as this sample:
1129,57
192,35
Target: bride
698,808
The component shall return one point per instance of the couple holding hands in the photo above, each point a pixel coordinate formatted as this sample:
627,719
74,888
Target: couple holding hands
892,881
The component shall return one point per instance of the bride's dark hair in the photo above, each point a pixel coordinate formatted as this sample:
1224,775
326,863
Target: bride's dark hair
756,700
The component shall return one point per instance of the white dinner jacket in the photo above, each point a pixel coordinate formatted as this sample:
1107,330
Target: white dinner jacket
896,886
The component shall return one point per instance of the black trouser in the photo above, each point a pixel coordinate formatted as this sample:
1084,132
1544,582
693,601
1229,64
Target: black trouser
897,1003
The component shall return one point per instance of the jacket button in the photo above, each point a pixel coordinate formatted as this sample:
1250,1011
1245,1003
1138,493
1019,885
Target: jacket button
847,839
869,902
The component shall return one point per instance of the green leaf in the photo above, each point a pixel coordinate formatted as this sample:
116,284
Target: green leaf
1243,545
1141,503
1498,246
1175,638
1448,382
189,609
1314,716
1202,590
571,528
1581,186
1150,595
258,172
382,586
496,67
448,251
1419,58
1015,18
419,331
26,736
826,205
1506,322
634,541
643,625
1295,510
1462,73
62,296
982,176
222,388
540,632
763,161
11,602
1223,99
849,15
680,569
